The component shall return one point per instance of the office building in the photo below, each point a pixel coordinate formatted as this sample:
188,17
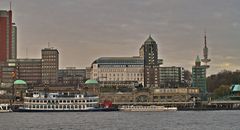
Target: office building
8,70
171,77
118,70
5,35
50,66
29,70
149,52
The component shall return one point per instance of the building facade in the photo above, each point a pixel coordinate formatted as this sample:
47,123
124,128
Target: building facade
171,77
71,76
5,35
166,96
29,70
118,69
14,42
8,70
199,77
149,52
50,66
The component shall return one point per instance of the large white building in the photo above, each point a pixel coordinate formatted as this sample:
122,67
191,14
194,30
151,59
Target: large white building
118,69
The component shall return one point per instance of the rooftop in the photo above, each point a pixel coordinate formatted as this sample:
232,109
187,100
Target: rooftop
19,82
119,60
91,81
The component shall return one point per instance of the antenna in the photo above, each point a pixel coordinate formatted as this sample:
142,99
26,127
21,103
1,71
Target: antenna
205,38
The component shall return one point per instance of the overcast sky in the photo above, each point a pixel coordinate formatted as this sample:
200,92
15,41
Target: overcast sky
83,30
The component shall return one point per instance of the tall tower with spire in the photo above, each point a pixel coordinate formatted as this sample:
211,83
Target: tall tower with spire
149,52
205,59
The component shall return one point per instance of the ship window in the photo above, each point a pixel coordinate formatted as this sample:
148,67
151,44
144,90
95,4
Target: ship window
60,101
64,101
72,101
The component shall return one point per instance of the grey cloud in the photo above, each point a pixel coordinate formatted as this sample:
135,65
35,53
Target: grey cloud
95,28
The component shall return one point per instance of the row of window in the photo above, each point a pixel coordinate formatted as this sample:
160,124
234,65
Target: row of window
60,101
61,106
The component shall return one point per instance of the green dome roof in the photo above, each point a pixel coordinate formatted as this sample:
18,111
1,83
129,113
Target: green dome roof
236,88
19,82
91,81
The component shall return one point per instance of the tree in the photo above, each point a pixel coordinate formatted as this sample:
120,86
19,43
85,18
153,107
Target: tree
223,78
187,77
222,91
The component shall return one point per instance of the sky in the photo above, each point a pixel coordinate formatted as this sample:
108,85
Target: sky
84,30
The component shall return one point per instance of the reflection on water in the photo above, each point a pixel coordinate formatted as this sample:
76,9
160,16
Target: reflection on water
180,120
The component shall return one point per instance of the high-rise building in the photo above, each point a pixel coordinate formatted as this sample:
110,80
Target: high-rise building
5,35
149,52
50,66
14,42
199,77
7,30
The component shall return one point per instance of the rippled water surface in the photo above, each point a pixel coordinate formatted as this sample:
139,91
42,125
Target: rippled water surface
180,120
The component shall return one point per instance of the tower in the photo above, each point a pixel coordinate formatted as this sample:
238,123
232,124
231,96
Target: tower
50,65
149,52
5,35
205,59
14,42
199,77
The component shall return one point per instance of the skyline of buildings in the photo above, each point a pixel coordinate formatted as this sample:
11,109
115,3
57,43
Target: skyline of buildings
146,69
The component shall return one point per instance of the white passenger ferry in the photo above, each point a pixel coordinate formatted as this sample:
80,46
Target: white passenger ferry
5,108
55,102
152,108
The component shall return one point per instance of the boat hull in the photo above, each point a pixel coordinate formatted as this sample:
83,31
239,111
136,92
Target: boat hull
87,110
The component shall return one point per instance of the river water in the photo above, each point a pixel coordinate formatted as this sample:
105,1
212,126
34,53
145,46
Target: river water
180,120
